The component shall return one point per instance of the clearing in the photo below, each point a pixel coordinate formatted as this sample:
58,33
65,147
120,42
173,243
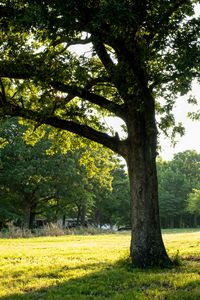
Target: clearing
96,267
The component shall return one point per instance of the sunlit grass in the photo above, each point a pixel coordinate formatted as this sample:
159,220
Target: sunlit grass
95,267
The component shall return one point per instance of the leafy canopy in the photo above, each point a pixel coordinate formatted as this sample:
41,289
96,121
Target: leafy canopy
128,47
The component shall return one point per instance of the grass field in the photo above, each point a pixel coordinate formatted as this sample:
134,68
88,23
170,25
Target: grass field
95,267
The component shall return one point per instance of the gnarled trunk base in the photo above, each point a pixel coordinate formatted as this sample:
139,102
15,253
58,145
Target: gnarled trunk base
148,251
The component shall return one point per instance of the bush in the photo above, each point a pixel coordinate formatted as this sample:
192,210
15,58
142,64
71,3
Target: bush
50,230
15,232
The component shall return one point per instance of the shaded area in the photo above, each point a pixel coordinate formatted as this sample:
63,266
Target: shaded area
119,282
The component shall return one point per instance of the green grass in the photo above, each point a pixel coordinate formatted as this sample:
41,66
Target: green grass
95,267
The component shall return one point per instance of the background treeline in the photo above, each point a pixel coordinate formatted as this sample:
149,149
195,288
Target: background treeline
179,190
41,182
38,181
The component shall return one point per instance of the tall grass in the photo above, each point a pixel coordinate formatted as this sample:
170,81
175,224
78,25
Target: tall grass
49,230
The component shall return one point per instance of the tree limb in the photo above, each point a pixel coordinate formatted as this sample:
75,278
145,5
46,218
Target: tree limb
2,94
103,55
79,129
73,91
91,97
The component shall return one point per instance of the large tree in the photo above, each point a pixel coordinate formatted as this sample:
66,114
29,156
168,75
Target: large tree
137,51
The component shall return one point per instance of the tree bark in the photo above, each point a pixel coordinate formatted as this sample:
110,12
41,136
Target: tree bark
147,248
27,213
64,220
195,221
83,212
172,222
32,218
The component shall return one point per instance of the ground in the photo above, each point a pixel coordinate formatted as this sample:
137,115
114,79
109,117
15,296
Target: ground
96,267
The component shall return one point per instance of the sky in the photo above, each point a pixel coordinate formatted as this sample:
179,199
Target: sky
191,139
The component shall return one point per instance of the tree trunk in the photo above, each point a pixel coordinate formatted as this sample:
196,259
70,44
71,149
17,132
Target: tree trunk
27,214
83,215
64,220
181,225
195,221
78,214
32,218
29,211
172,222
147,248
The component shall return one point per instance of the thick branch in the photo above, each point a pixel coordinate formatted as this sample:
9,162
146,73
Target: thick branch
91,97
104,56
73,91
85,131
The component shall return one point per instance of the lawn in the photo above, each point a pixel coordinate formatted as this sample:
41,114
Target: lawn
95,267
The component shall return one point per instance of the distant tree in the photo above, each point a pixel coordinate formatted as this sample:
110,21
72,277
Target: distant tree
194,201
42,184
112,207
23,174
194,204
176,179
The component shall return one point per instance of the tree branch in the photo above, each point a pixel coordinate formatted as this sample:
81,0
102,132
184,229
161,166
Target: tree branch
73,91
2,94
82,130
103,55
91,97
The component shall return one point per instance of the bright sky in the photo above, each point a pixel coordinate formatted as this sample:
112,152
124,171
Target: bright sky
191,139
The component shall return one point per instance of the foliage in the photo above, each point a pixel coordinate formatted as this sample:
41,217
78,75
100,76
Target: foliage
194,201
43,184
112,207
48,76
177,179
84,267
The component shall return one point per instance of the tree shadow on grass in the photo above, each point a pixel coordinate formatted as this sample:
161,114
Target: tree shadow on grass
117,282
